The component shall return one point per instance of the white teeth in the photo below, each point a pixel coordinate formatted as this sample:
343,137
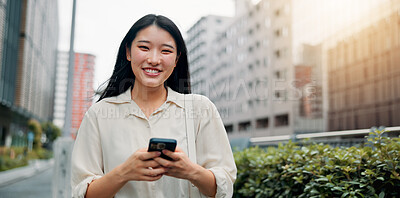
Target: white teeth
151,71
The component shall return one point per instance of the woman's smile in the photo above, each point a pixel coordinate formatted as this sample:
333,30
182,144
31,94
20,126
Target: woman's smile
152,71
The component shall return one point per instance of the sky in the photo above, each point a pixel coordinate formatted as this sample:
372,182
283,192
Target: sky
102,24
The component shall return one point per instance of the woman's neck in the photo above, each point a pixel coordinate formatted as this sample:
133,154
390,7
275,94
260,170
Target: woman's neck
148,99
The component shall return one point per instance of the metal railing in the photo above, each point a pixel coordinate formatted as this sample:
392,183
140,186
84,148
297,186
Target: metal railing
333,138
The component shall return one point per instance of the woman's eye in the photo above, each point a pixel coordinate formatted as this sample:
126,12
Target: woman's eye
143,47
166,51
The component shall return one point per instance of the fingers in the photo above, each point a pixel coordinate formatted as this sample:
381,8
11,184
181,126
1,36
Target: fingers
151,178
154,172
163,162
151,163
175,156
148,155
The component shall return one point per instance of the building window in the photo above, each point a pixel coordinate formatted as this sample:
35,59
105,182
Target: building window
229,128
282,120
277,12
262,123
278,32
277,53
250,31
280,95
280,75
244,126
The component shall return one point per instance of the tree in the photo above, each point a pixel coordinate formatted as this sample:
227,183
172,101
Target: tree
51,131
36,128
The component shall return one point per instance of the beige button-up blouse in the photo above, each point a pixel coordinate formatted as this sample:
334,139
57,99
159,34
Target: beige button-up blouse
114,128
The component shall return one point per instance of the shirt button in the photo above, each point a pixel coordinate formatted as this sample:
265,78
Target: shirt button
147,126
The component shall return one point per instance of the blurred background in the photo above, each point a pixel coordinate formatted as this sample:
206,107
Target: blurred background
274,68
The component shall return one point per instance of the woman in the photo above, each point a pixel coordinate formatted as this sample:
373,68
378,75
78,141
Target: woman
145,98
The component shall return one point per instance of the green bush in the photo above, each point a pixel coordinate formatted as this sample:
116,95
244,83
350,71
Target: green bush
12,158
318,170
15,157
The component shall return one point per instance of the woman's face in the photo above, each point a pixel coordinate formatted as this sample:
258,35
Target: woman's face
153,56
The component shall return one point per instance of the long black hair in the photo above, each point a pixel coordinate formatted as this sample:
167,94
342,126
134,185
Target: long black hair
123,77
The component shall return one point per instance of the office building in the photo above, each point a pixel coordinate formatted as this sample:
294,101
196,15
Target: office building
364,72
60,98
199,43
28,46
251,67
83,91
267,75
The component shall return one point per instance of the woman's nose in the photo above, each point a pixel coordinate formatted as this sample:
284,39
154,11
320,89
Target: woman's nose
154,59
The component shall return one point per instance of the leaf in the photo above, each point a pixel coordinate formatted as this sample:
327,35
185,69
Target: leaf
322,179
380,178
345,194
337,188
382,195
354,182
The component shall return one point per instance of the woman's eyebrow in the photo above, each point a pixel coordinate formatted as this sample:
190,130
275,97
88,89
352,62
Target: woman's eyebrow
170,46
143,41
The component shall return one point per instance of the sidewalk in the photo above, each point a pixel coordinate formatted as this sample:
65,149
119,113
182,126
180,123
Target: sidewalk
17,174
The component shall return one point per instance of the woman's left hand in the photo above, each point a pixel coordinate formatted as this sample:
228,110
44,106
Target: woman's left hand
181,166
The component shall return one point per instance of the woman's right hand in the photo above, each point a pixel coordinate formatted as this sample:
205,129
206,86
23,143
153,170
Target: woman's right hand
140,166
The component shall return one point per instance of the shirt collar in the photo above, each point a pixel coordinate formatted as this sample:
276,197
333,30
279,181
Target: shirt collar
121,98
172,96
175,97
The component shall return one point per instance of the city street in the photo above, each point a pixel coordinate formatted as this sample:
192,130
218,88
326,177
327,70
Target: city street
33,187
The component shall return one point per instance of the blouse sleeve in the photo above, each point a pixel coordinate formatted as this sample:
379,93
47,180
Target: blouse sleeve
86,162
213,148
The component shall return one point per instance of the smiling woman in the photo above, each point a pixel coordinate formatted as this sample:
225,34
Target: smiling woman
153,57
150,80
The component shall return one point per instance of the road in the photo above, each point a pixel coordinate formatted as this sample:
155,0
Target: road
33,187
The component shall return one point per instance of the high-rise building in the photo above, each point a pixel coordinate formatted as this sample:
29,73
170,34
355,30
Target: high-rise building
364,71
251,65
266,74
307,106
83,91
199,43
60,98
28,45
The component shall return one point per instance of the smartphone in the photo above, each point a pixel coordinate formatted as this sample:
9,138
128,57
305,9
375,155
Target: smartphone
159,144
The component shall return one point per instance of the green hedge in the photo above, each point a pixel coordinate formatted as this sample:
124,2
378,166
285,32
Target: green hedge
318,170
15,157
12,158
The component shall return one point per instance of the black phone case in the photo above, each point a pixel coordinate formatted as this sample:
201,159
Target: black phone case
158,144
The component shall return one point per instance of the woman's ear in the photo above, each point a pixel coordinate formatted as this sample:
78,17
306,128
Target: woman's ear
128,53
177,58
